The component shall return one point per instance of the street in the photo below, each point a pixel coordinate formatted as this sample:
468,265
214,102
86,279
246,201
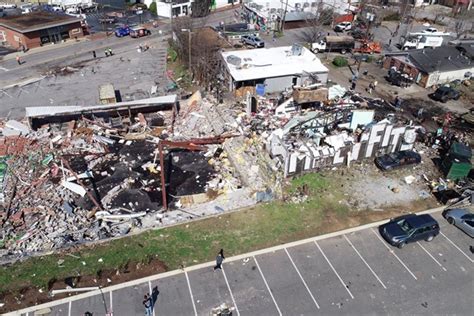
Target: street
353,272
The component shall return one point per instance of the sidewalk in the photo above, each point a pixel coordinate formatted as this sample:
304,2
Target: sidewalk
46,48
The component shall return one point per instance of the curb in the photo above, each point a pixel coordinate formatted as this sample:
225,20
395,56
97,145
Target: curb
205,265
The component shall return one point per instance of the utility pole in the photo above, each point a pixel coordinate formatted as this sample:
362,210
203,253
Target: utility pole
284,17
189,46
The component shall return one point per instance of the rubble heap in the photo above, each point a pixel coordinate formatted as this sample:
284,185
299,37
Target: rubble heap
90,179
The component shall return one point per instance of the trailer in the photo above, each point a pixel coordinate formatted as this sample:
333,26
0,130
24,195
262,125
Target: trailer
74,6
342,44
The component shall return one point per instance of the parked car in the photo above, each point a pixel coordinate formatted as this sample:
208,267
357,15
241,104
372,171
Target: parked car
397,160
409,228
139,32
445,93
430,30
461,218
343,26
122,31
358,34
107,19
252,40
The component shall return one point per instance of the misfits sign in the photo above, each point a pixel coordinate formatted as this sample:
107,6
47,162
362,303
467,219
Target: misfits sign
379,139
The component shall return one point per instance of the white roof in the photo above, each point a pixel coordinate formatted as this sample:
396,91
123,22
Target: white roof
272,62
38,111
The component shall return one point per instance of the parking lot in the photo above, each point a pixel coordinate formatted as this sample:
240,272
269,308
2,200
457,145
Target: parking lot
355,273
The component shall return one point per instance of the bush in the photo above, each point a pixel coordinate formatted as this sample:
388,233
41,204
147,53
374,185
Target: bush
340,61
395,16
153,8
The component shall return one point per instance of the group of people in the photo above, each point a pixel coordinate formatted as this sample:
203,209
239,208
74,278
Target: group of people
149,300
143,48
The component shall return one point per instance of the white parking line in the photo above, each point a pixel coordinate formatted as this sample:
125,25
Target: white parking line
69,308
266,284
337,274
111,308
301,277
230,291
457,247
4,69
151,293
429,254
373,272
190,292
393,253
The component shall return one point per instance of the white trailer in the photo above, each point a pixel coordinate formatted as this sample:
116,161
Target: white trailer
423,40
74,6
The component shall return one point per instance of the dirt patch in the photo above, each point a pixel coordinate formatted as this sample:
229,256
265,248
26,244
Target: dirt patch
30,296
365,187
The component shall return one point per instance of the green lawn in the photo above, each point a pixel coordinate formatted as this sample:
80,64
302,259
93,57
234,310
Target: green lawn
187,244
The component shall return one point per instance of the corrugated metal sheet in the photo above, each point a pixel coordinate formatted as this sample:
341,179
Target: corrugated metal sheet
39,111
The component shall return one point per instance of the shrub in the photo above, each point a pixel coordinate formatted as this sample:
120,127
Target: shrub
395,16
340,61
153,8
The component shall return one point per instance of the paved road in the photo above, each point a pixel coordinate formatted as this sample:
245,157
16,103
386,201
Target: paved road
353,272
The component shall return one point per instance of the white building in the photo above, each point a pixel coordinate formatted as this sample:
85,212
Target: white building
277,68
183,7
267,12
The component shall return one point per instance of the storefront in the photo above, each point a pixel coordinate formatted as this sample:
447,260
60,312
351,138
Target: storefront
39,28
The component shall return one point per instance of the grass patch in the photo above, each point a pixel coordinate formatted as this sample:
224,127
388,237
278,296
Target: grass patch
239,232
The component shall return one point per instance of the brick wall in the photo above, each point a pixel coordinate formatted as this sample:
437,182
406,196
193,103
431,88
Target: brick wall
401,66
32,39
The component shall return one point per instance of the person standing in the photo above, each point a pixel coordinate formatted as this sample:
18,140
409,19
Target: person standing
106,53
353,85
147,305
110,52
219,260
94,54
18,60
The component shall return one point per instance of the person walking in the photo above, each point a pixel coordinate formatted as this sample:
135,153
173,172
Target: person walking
219,260
18,60
110,52
106,52
94,54
147,304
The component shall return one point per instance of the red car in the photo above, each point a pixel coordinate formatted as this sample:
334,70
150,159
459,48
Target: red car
139,32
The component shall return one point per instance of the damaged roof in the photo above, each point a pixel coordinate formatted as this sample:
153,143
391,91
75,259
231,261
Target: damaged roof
444,58
35,21
251,64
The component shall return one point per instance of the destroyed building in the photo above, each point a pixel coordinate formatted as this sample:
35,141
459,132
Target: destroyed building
274,69
77,174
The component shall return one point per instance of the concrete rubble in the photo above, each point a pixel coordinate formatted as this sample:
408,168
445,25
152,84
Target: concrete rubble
96,177
93,178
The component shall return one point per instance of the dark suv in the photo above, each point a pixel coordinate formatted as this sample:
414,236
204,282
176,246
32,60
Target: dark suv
409,228
444,94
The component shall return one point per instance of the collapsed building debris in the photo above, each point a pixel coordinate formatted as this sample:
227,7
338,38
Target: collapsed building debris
83,174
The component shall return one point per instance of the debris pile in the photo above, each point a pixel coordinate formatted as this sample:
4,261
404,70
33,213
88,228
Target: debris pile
95,178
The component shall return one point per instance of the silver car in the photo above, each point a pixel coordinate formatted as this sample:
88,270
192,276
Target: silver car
462,218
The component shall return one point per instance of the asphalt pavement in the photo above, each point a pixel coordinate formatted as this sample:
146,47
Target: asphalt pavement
353,272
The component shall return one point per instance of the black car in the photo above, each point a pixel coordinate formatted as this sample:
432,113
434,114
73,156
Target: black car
358,34
445,93
398,159
409,228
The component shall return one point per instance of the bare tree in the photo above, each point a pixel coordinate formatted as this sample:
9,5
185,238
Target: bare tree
204,45
201,8
314,25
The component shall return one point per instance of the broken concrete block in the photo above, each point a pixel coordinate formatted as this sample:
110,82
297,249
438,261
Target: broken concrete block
15,125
